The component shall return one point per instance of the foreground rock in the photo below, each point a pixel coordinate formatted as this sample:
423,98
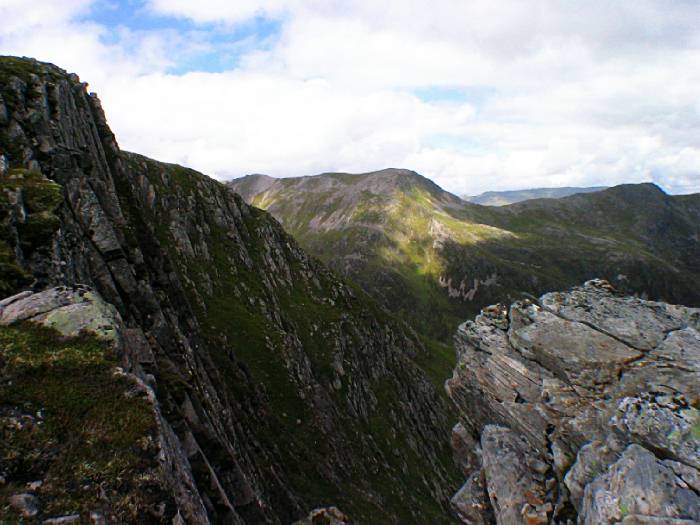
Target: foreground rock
325,516
89,434
581,408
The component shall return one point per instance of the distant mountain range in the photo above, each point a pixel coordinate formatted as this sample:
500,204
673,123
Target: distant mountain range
435,259
502,198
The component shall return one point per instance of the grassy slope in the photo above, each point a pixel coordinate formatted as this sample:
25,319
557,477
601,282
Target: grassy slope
398,244
231,316
386,243
67,420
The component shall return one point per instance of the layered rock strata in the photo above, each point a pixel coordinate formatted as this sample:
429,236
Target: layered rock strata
580,407
281,388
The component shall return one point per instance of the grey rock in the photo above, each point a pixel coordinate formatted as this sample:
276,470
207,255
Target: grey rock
470,503
68,310
97,518
574,352
638,485
641,324
516,490
325,516
592,460
466,450
664,423
688,474
63,520
595,396
27,505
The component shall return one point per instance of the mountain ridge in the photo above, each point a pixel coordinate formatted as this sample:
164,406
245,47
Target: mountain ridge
274,383
506,197
416,240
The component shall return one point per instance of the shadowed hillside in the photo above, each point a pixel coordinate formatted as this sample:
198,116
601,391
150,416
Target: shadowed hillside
435,259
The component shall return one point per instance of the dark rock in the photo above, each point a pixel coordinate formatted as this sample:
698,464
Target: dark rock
221,322
325,516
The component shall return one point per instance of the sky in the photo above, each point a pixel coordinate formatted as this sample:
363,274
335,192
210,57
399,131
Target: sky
475,94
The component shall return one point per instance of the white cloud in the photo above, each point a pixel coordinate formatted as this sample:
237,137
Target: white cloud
224,11
571,93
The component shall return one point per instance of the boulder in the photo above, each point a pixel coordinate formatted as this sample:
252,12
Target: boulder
70,310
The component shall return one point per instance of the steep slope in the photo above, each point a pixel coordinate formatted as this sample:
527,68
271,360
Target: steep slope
278,388
502,198
580,407
435,259
80,437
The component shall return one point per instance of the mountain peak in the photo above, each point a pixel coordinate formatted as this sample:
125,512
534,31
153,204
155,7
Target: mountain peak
250,185
383,183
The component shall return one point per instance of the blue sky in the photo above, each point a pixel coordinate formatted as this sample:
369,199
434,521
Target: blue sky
477,95
220,45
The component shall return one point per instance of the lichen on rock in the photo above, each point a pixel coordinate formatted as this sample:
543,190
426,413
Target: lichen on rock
68,310
586,407
88,438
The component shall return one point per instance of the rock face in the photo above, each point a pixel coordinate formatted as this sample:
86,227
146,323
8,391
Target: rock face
68,310
583,408
326,516
278,388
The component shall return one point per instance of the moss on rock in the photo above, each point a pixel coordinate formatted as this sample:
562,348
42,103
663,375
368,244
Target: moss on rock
28,220
69,422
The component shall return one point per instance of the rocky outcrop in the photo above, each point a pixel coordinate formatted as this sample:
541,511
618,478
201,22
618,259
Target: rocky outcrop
69,311
278,388
325,516
60,386
582,407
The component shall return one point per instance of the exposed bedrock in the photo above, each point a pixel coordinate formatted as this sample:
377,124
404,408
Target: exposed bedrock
581,407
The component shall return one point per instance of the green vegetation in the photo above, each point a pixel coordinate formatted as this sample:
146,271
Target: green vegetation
28,202
435,260
252,317
22,68
68,421
438,363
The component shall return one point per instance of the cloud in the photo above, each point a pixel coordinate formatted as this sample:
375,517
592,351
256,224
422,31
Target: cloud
477,95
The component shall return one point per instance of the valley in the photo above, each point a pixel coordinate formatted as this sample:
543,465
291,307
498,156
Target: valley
331,350
435,260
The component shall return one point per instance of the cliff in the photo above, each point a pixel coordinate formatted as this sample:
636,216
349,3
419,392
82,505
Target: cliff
580,407
274,387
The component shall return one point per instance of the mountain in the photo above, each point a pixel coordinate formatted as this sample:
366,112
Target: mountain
502,198
169,354
435,260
